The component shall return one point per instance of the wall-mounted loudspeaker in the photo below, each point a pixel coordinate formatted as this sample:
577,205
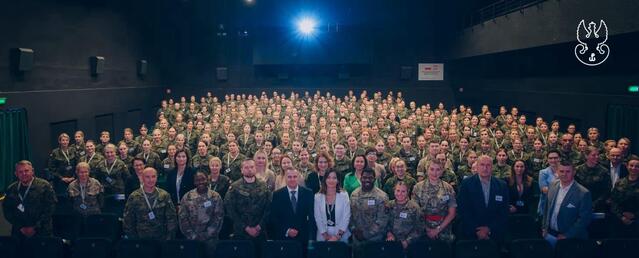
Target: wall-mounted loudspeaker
21,59
142,67
96,65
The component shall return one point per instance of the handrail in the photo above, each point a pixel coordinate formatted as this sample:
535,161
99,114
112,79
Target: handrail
497,9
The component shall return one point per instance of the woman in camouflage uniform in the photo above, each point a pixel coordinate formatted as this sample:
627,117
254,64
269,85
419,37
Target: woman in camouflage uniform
86,193
406,218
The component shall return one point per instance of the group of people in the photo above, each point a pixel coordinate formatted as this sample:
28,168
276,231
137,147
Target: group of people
325,168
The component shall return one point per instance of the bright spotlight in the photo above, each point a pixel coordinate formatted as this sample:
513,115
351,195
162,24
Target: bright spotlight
306,26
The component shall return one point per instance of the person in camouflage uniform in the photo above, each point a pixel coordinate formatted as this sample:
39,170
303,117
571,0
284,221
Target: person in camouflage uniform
61,162
86,193
151,159
29,204
112,173
369,219
625,202
132,145
595,178
200,161
201,213
247,204
232,162
94,159
405,217
342,162
149,212
501,169
400,175
437,201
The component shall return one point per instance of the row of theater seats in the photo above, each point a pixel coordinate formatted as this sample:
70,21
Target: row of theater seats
104,248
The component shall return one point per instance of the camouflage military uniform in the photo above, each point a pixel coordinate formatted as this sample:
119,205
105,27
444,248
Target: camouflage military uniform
201,215
248,205
221,185
112,176
537,162
160,149
93,160
140,223
411,158
451,178
625,198
62,163
168,165
368,213
597,180
405,220
572,156
342,167
133,146
34,211
151,160
435,200
502,172
87,200
128,161
389,186
201,163
232,167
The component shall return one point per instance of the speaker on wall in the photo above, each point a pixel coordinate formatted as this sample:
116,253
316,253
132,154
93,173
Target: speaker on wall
406,73
21,59
142,67
222,73
97,65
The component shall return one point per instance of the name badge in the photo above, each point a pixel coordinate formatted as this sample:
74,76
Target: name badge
371,202
68,168
132,150
21,207
207,204
109,180
519,203
162,151
82,153
228,170
403,215
83,206
537,160
411,159
151,215
167,166
498,198
445,198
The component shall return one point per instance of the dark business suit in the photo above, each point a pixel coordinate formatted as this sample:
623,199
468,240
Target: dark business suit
283,217
575,211
185,186
474,213
521,202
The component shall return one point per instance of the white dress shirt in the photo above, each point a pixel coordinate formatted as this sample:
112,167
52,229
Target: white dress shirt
614,173
561,194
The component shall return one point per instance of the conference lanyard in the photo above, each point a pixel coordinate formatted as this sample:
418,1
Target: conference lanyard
22,197
109,169
66,156
91,158
148,204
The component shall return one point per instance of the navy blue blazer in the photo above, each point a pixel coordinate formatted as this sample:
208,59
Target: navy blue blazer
185,186
283,217
474,213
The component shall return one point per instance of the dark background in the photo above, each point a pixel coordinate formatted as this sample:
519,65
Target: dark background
524,58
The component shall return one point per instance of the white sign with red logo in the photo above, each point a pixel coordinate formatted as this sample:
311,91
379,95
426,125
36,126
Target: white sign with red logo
431,72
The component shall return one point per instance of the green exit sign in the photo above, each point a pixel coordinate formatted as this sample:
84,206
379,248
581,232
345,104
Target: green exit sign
633,88
3,101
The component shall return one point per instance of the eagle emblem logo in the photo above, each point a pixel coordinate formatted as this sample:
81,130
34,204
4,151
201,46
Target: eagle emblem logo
592,49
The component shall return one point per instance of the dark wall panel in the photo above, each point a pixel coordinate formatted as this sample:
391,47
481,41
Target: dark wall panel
69,127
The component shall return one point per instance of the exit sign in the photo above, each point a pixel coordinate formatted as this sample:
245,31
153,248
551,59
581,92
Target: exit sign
633,88
3,101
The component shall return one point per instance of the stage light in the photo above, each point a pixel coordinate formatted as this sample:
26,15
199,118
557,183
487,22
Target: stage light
306,26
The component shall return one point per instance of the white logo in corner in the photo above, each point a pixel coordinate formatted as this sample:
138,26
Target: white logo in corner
592,49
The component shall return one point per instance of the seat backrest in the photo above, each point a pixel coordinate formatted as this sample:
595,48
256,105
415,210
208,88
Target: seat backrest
66,225
102,226
43,247
9,246
428,248
575,248
626,248
235,249
522,226
182,248
531,248
476,249
328,250
92,248
282,249
137,248
392,249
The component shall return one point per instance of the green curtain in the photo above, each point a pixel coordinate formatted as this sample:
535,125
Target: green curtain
623,121
14,143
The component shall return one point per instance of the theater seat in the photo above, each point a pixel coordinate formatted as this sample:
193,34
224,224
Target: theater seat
530,248
522,226
43,247
476,249
626,248
66,226
103,226
329,250
235,249
114,204
429,248
92,248
282,249
392,249
182,248
575,248
8,247
137,248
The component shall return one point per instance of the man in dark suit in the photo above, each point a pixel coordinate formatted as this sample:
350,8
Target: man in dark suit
569,207
292,210
615,166
483,204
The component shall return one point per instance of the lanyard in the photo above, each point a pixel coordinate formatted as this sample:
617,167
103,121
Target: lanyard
148,204
146,156
93,155
22,197
109,169
82,192
66,156
228,159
